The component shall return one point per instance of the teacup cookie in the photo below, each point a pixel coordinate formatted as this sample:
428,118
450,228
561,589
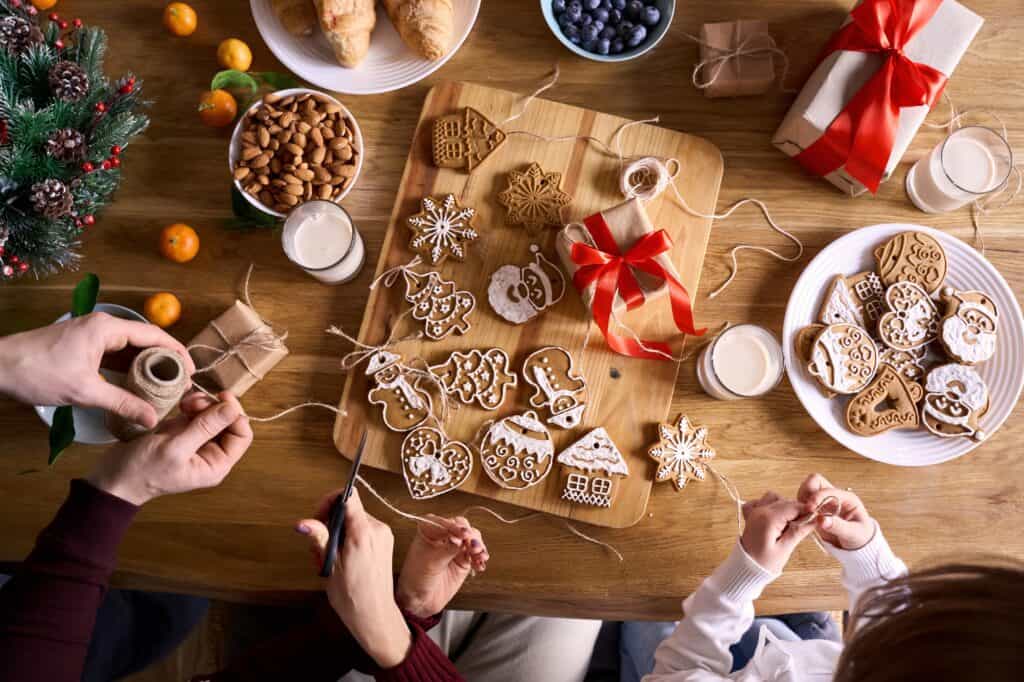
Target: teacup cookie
912,320
478,376
442,229
913,257
968,331
517,451
804,340
405,404
433,465
557,385
843,358
955,399
897,399
908,363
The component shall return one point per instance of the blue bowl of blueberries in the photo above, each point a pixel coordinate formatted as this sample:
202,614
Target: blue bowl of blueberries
608,30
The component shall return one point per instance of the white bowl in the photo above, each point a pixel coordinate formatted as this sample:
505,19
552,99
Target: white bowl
235,148
968,269
389,64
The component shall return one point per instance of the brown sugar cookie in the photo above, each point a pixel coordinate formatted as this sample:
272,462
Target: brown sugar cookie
968,330
912,257
533,198
843,358
897,399
682,452
804,340
464,139
840,305
478,376
956,397
912,320
442,229
557,385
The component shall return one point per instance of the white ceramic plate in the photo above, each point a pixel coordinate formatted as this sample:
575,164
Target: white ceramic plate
968,269
389,65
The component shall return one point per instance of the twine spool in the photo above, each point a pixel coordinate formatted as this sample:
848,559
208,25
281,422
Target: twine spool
158,376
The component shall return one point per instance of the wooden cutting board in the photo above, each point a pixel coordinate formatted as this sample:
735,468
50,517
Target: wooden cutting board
628,397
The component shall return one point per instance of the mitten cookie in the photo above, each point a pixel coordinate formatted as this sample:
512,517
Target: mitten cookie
406,406
519,294
517,451
591,468
913,257
912,320
968,331
477,376
896,396
557,385
955,399
843,358
442,229
432,464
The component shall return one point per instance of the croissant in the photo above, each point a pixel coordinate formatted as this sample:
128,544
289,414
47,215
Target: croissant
426,26
297,16
347,25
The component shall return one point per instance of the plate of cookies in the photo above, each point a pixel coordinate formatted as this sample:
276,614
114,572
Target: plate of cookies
904,344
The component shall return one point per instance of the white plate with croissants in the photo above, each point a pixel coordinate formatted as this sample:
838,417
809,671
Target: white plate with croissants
362,47
904,344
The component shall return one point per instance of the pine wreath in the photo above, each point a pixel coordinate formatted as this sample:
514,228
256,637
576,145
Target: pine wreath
63,126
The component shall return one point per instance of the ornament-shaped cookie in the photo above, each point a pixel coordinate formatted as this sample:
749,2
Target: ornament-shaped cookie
517,452
433,465
591,468
519,294
533,198
442,229
968,330
843,358
406,405
557,386
955,399
438,304
478,376
912,320
464,139
888,402
682,452
913,257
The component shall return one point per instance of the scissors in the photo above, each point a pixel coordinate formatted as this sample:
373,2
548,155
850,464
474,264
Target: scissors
336,520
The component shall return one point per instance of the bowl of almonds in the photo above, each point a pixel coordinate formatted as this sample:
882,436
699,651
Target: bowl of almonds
293,146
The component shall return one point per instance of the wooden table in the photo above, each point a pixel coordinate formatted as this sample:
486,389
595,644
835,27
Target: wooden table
236,541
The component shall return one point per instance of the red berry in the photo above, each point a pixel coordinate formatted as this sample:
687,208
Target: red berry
32,11
126,88
15,3
1,251
54,17
78,223
88,167
116,150
22,267
63,25
8,271
131,79
59,44
105,165
101,107
77,23
13,259
89,219
115,162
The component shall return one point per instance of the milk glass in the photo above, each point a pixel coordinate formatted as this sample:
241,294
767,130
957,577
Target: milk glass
968,164
745,361
320,237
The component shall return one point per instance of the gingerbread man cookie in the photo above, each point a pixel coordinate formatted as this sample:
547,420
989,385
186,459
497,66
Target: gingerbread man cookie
433,465
533,198
955,399
843,358
477,376
897,399
442,229
912,320
968,331
682,452
436,303
913,257
519,294
517,452
557,385
406,405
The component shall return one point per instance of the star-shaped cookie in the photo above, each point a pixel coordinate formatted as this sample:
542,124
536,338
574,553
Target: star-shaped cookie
682,452
533,198
442,229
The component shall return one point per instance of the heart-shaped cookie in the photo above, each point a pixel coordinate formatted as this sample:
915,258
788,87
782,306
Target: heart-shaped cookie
432,464
912,320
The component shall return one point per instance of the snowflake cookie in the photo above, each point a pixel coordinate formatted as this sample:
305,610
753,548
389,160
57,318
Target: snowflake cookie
442,229
682,452
533,198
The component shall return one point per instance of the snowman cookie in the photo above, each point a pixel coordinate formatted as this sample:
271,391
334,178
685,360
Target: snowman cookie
517,452
912,320
557,386
968,331
843,358
477,376
520,293
913,257
433,465
955,399
405,404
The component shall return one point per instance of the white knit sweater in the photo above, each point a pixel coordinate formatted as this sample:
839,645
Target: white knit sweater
722,609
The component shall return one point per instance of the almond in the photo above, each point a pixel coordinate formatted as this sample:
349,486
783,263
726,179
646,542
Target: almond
317,155
264,136
299,139
303,174
260,161
241,173
325,192
345,153
249,153
293,189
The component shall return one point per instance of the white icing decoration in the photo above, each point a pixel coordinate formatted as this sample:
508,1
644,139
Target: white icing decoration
509,288
433,465
480,376
595,452
844,358
840,306
567,406
965,341
681,453
961,381
444,228
442,313
912,320
514,460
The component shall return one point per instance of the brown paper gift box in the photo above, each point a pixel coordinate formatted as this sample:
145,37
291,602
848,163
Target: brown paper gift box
628,222
250,349
748,74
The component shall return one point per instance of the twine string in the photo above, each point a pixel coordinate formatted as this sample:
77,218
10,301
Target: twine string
388,277
746,48
525,102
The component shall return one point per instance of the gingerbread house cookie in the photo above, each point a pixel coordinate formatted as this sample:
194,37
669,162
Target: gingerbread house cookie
464,139
591,468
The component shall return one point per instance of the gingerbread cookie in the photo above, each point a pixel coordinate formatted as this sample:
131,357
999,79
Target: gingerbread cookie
463,140
968,331
533,198
897,399
908,363
477,376
557,385
912,320
682,452
406,405
869,293
955,399
840,306
913,257
591,468
804,341
843,358
519,294
432,464
517,451
442,229
436,303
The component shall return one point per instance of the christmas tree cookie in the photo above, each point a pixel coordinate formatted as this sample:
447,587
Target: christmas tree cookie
441,307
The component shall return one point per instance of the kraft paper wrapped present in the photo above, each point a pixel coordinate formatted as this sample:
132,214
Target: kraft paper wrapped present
235,350
940,31
736,58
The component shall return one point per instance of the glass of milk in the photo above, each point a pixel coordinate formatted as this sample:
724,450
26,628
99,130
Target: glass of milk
320,237
967,165
745,361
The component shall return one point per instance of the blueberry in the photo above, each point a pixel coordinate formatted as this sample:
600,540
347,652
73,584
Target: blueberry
637,35
617,46
605,4
591,4
604,46
572,32
634,10
574,10
624,28
600,14
650,16
598,24
614,17
557,6
564,20
619,4
589,33
609,33
586,20
590,46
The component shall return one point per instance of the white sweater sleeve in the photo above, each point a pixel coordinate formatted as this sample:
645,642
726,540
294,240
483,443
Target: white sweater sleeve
715,617
871,565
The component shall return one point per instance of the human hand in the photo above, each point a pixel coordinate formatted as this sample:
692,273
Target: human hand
192,451
361,587
59,364
438,562
851,527
768,536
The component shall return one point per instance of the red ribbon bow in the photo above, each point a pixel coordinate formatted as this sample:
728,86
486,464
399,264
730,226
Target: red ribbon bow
612,272
862,135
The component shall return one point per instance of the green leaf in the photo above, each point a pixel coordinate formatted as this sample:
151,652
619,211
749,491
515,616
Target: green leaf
277,81
83,299
62,432
234,80
247,214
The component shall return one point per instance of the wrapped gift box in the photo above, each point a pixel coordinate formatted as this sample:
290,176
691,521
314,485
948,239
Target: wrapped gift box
751,73
940,44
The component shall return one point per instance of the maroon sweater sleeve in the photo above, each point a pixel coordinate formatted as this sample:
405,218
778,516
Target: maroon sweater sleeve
48,609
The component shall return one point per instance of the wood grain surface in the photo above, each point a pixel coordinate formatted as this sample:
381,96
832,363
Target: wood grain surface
236,541
626,396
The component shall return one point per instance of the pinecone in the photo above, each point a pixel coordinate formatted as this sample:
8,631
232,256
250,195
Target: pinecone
51,198
69,81
66,144
17,34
